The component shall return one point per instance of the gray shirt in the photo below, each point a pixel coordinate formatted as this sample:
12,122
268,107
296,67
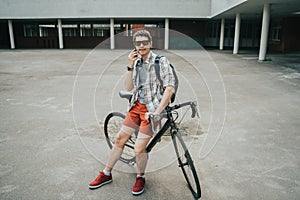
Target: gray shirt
142,81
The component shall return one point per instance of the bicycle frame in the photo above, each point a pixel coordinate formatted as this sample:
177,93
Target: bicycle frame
158,136
169,123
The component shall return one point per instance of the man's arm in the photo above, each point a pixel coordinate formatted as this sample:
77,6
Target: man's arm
169,91
132,57
128,81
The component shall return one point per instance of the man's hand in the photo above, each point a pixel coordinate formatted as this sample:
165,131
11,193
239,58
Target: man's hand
147,115
132,57
155,118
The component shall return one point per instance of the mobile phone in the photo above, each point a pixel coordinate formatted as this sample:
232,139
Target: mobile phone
135,50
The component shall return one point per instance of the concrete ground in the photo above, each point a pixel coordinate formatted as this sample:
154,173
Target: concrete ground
53,103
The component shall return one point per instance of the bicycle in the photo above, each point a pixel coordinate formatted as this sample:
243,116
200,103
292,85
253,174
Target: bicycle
114,120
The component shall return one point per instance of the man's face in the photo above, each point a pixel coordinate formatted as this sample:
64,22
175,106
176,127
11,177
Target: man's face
142,45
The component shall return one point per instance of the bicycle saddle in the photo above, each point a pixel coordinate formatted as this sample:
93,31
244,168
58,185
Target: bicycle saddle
125,94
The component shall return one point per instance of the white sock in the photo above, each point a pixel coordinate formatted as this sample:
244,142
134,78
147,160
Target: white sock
107,173
140,176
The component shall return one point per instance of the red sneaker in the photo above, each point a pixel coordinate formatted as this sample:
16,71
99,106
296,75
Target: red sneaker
138,187
101,180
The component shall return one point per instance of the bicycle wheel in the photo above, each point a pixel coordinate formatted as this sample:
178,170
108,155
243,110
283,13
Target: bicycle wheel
186,164
112,125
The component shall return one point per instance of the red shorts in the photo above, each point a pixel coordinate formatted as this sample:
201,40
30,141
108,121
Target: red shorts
135,119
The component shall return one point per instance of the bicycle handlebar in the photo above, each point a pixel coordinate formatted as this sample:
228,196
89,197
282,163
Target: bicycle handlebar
192,104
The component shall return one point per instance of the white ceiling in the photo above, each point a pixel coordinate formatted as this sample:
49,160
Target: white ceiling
254,9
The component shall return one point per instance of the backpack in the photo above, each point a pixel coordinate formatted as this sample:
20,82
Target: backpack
157,71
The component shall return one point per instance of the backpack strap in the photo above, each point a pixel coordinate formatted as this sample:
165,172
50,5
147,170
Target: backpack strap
175,76
157,71
137,64
157,68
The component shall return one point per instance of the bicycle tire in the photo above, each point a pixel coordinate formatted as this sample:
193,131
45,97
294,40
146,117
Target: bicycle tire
112,125
186,164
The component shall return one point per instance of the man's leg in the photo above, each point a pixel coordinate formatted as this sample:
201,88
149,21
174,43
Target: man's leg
130,124
105,176
118,147
140,152
141,162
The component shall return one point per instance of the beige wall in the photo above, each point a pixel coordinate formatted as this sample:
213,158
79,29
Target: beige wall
36,9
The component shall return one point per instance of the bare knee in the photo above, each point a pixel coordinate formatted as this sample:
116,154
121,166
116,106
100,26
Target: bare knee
121,139
138,149
141,143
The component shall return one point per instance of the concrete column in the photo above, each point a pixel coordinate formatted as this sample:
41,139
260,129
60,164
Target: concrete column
92,30
11,34
264,33
127,29
222,34
80,31
112,34
237,33
60,34
40,31
166,34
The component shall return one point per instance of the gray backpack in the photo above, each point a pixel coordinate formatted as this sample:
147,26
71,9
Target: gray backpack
157,71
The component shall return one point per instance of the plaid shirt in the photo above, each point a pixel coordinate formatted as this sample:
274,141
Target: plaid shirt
153,90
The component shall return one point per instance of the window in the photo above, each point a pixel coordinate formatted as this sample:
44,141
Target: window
246,30
70,30
276,32
118,28
31,30
101,30
85,30
37,30
44,29
213,29
151,25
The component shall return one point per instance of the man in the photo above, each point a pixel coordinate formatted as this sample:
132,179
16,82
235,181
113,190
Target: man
148,98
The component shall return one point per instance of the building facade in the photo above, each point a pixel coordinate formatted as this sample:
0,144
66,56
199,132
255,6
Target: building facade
224,24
